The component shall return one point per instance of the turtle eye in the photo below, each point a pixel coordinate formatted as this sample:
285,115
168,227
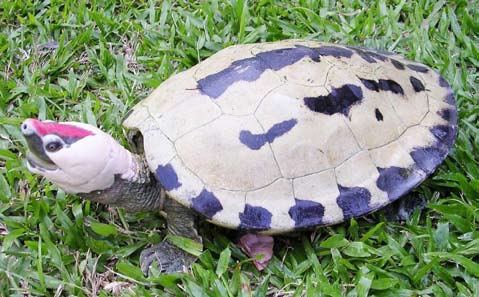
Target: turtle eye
53,146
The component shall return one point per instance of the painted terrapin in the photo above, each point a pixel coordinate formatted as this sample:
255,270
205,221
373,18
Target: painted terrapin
267,138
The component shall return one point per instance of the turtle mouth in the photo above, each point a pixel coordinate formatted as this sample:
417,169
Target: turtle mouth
35,162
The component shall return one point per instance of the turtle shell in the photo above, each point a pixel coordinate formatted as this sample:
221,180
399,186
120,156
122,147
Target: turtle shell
289,135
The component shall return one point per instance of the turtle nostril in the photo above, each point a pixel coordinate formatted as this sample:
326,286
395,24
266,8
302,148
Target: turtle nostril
26,128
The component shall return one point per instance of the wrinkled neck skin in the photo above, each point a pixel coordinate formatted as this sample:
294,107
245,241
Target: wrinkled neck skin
135,191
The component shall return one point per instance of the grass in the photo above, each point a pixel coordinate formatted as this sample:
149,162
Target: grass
93,60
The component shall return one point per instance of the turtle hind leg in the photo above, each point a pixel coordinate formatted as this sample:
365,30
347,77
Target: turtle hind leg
181,221
168,257
403,208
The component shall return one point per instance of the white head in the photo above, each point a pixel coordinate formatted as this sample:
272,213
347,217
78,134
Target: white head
79,158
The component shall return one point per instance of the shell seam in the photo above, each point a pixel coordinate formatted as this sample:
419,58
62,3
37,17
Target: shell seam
270,147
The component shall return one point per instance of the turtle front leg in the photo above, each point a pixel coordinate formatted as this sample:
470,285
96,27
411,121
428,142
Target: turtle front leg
168,257
181,221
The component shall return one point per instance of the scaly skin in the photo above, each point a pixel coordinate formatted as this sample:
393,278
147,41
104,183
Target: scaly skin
141,193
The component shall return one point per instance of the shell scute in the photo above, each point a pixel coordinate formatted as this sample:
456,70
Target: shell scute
349,176
188,115
279,193
322,189
213,150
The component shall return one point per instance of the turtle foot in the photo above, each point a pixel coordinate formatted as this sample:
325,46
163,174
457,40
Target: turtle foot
403,209
259,247
168,258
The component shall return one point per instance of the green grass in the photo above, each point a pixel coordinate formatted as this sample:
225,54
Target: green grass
93,60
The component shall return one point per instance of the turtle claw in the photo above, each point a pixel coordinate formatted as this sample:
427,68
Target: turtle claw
169,258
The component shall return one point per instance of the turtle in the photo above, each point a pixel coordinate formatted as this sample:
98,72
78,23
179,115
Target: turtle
266,138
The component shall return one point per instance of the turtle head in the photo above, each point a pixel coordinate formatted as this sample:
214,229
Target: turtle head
79,158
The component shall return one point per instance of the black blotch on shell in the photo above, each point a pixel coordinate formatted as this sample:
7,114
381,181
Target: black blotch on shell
391,85
334,51
382,85
428,158
370,84
397,181
418,68
340,100
416,84
353,201
206,204
167,176
448,114
255,218
443,83
256,141
397,64
368,55
279,58
450,98
306,213
446,134
379,115
250,69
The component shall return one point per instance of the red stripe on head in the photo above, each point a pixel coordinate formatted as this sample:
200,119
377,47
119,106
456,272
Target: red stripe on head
62,130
